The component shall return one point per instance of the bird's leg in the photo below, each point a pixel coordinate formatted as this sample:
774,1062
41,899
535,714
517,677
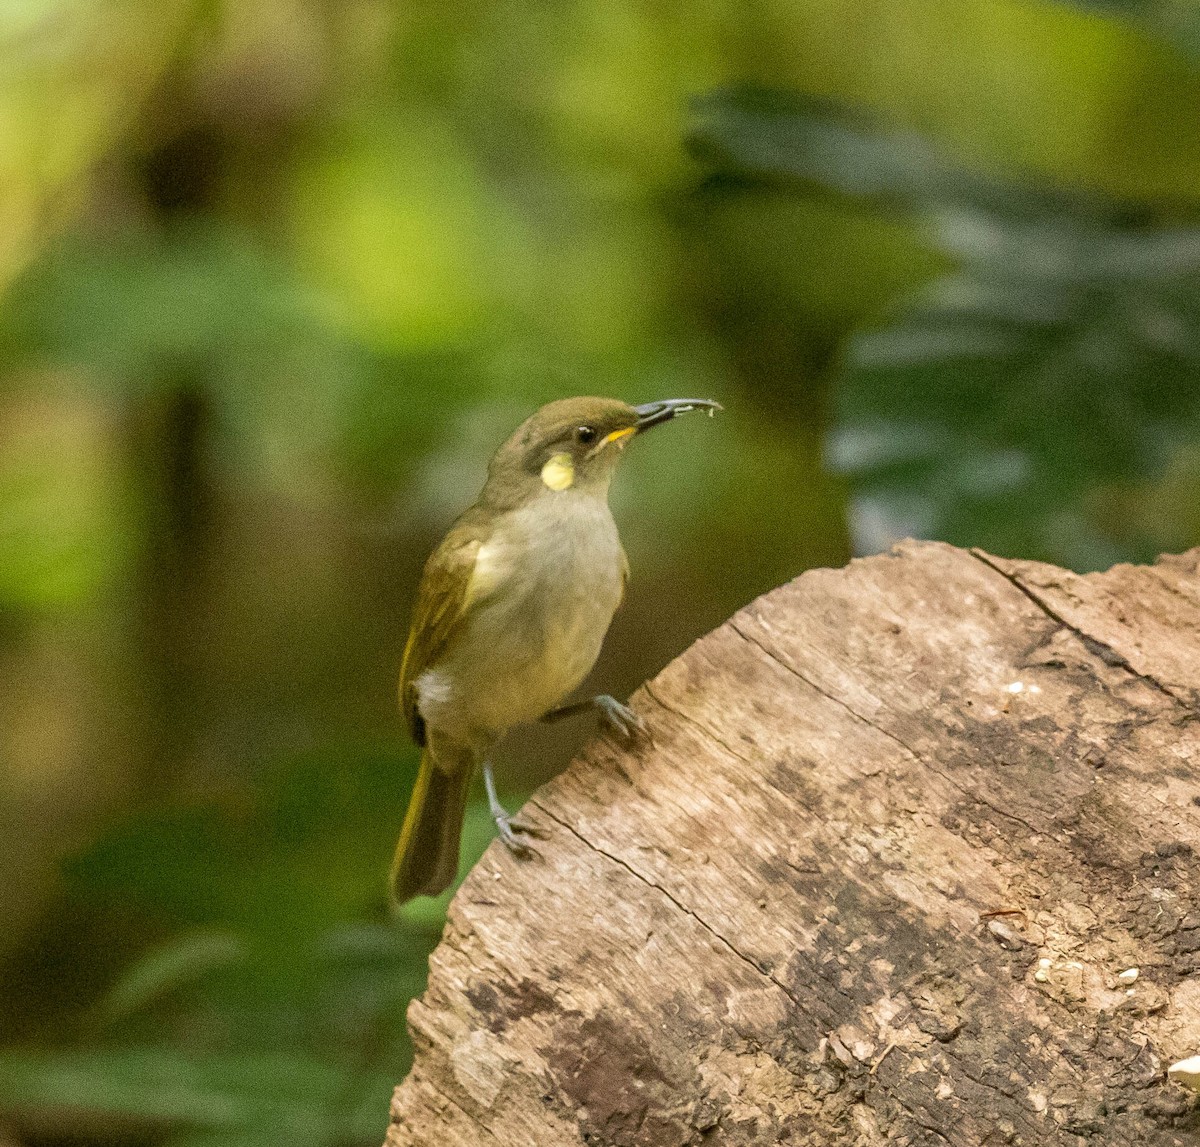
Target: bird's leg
620,718
566,711
512,832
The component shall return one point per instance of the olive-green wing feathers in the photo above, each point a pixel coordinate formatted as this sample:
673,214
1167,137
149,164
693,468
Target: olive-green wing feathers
445,593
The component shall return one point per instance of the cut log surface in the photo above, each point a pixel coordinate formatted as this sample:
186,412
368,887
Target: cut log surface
913,859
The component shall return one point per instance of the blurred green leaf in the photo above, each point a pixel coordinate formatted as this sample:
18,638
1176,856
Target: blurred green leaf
181,960
207,305
815,146
1056,357
126,308
249,1098
294,944
1059,358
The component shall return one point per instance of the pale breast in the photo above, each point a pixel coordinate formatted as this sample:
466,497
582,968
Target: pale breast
547,585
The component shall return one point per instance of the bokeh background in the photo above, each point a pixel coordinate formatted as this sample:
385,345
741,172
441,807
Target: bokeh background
275,278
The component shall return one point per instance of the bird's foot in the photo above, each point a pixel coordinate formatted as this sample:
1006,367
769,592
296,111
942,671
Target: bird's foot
514,833
622,719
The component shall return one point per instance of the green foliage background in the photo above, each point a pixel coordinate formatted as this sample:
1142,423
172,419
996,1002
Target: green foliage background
275,278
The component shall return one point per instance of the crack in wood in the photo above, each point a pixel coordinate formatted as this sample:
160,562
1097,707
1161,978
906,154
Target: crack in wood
748,960
1107,653
917,756
705,728
783,663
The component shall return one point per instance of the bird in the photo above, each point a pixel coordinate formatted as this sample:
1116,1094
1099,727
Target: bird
510,614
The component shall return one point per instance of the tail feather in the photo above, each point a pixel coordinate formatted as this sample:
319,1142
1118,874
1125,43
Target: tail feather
426,859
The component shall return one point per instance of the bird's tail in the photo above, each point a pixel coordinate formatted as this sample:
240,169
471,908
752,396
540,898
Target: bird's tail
426,859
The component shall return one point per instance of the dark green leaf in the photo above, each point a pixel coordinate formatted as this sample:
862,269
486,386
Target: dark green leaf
814,146
1056,358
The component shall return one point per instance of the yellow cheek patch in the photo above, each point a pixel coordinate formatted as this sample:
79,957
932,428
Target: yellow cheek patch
559,472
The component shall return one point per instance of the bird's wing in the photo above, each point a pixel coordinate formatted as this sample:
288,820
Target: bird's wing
457,576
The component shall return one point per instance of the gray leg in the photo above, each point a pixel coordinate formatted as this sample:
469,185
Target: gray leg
512,832
620,718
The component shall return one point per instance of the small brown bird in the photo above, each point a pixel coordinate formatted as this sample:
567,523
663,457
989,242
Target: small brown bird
510,616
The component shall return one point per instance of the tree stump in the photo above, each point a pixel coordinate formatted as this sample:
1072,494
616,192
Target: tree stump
912,859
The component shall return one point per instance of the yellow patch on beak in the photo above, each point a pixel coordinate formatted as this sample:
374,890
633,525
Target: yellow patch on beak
559,472
617,437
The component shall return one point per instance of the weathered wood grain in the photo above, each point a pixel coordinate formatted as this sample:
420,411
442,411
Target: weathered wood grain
902,827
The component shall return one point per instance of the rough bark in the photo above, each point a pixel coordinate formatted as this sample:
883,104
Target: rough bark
901,829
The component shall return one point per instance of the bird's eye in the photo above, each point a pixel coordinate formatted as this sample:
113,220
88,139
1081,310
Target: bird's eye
586,434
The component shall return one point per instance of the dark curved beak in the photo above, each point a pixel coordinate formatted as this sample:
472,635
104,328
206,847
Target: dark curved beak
654,413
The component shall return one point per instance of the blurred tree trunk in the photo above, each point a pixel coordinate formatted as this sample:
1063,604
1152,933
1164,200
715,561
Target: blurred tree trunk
912,860
169,452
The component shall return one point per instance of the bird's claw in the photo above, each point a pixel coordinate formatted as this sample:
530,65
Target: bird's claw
526,829
515,834
622,719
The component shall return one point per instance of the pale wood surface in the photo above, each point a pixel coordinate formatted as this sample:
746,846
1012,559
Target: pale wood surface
775,925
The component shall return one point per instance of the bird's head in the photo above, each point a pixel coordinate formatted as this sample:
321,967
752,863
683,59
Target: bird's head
574,443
